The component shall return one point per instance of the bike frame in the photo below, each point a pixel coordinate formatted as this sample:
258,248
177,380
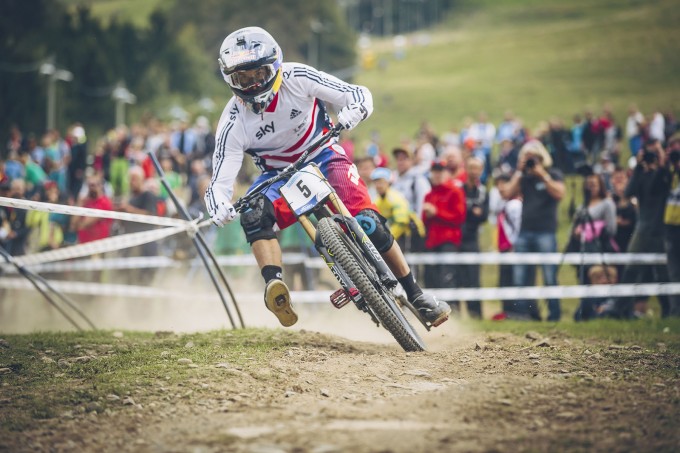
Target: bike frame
329,205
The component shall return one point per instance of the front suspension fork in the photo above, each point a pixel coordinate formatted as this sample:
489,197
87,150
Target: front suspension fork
339,274
384,273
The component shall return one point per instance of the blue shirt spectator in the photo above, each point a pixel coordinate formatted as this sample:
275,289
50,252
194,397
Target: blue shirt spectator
576,144
13,168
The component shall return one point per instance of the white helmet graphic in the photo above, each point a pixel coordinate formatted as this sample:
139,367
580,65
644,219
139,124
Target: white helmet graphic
251,59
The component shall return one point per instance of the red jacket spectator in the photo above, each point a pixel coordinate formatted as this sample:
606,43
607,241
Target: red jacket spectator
93,228
444,209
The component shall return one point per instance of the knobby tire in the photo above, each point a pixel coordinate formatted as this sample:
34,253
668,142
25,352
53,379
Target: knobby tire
405,335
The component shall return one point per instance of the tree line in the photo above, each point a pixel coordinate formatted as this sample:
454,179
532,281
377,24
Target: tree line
173,56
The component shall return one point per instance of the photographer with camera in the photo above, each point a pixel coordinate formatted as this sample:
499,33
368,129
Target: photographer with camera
593,231
650,184
672,221
542,188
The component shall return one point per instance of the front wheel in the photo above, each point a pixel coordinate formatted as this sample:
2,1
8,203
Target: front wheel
383,305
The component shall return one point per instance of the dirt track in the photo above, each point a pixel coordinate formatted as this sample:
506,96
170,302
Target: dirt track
324,394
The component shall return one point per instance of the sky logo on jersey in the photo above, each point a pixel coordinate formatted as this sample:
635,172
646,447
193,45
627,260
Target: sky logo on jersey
294,113
265,130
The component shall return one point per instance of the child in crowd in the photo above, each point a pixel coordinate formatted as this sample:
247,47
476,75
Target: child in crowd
600,306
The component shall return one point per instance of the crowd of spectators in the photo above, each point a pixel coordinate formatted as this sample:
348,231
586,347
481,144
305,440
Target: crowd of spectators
114,174
436,190
514,178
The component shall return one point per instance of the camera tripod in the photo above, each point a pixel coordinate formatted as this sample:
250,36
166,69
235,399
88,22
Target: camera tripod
583,220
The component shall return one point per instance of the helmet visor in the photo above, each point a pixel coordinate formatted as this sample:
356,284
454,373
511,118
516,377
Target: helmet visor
252,80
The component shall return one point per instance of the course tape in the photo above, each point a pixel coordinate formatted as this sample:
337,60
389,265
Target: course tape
102,264
146,262
161,262
512,293
89,212
413,258
536,258
100,246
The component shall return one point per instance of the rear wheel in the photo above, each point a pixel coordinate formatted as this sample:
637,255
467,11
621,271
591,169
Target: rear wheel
383,305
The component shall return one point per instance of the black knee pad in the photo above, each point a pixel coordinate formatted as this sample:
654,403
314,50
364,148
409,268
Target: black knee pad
258,222
376,228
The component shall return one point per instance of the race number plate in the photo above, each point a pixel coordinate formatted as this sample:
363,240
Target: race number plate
306,190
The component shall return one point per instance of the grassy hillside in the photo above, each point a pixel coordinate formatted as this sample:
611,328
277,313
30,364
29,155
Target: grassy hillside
136,11
538,58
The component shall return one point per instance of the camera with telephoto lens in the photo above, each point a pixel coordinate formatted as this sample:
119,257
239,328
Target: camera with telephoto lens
530,163
649,156
674,156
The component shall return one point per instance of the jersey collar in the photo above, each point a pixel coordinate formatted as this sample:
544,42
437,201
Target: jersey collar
272,105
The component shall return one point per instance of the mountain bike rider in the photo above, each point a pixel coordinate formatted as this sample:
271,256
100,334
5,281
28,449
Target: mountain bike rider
276,111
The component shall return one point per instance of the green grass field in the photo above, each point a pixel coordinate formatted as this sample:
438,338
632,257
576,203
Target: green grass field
538,58
135,11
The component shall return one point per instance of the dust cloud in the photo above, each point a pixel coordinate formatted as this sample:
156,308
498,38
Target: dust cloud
23,311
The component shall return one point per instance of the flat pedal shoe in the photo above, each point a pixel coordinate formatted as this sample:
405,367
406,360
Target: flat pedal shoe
432,309
277,300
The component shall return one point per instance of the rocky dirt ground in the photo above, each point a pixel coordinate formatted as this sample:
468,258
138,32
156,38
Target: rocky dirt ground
318,393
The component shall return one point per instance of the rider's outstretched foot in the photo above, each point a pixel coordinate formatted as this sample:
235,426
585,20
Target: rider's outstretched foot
432,309
277,300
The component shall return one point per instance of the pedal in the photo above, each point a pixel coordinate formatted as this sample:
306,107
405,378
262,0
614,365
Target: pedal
440,321
340,298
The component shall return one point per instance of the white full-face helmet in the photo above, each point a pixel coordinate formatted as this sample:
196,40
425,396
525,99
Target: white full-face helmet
251,59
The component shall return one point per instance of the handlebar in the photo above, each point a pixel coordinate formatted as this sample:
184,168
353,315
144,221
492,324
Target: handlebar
243,202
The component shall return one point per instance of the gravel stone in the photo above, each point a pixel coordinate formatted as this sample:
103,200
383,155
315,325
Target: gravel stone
531,335
93,407
544,343
83,359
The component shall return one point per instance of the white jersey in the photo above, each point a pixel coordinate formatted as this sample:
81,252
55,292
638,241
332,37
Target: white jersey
278,136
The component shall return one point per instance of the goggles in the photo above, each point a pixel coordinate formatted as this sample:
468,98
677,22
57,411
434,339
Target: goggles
252,80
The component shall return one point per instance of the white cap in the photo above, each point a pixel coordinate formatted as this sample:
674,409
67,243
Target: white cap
78,132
